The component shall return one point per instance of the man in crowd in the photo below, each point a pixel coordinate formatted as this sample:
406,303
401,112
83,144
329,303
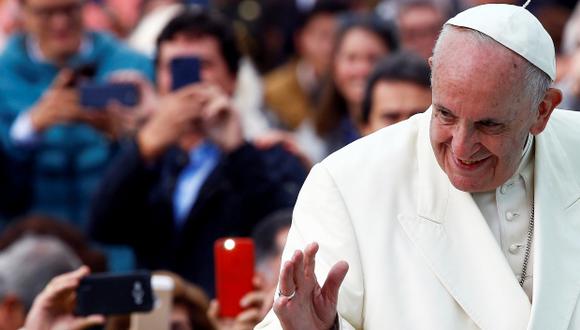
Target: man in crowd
419,23
465,217
42,124
189,177
398,88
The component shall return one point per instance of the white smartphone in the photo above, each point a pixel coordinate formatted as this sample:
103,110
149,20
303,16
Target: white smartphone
160,317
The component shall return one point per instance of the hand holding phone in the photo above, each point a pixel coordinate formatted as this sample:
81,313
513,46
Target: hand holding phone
234,271
52,308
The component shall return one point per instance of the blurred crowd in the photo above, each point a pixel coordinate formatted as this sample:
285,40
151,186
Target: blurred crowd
153,184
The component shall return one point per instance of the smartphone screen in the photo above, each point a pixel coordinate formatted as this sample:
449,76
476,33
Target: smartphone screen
234,271
184,71
111,293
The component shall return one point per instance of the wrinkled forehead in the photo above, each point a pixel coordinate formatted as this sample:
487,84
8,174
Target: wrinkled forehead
467,53
483,76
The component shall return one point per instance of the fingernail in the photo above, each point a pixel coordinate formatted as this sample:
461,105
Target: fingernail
243,302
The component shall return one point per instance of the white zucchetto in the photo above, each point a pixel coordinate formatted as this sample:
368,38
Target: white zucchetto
515,28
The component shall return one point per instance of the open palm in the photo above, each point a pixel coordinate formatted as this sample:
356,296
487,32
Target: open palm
303,303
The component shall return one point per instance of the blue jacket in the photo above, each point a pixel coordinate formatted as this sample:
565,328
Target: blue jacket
66,164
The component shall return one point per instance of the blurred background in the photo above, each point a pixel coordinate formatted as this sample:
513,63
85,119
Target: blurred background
136,133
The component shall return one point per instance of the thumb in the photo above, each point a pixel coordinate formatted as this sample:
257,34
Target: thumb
87,322
213,310
63,79
334,280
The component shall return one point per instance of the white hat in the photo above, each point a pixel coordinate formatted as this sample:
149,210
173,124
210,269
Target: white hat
515,28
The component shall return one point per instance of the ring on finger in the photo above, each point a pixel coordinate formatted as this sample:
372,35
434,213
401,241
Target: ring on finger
288,296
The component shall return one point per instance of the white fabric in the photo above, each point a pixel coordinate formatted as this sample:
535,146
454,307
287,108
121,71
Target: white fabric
421,254
507,212
22,132
515,28
144,36
249,98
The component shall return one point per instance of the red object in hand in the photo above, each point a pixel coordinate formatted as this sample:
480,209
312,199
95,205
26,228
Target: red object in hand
234,271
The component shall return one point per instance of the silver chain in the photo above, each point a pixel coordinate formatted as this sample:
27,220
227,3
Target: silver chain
528,247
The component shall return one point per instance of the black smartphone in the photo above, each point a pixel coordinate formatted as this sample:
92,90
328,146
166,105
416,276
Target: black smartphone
114,293
82,74
98,96
184,71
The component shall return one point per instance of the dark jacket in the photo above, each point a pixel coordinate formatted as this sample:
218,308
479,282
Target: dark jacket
134,206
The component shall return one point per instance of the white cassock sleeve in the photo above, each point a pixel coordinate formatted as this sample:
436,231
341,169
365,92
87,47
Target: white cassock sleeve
321,216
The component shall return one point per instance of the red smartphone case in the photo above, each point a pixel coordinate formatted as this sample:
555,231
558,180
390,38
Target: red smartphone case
234,271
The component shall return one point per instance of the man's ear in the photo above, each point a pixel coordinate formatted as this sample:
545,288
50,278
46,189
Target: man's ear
552,98
430,61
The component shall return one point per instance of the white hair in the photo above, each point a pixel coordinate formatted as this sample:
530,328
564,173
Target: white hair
27,265
535,81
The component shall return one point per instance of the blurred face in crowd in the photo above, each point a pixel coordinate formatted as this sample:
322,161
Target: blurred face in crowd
57,26
394,101
481,113
270,268
315,42
419,27
214,69
356,56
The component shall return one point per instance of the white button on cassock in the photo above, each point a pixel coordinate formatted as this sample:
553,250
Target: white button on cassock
509,215
515,248
506,187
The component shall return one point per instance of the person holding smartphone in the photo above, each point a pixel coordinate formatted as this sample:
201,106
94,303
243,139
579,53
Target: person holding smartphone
42,124
189,177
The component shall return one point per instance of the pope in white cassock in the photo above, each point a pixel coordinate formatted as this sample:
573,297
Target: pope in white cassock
464,217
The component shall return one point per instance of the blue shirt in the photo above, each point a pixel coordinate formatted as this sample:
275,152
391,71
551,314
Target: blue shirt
202,161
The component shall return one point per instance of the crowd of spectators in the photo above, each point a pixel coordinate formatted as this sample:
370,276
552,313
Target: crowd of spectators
153,185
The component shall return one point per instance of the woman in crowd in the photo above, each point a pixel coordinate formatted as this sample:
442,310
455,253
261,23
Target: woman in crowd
361,41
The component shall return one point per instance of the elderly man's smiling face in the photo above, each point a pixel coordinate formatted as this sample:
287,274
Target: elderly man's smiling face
481,114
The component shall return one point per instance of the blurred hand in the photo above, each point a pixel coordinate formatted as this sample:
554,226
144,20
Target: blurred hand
270,139
302,303
201,109
253,304
220,120
59,104
129,119
53,307
176,114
